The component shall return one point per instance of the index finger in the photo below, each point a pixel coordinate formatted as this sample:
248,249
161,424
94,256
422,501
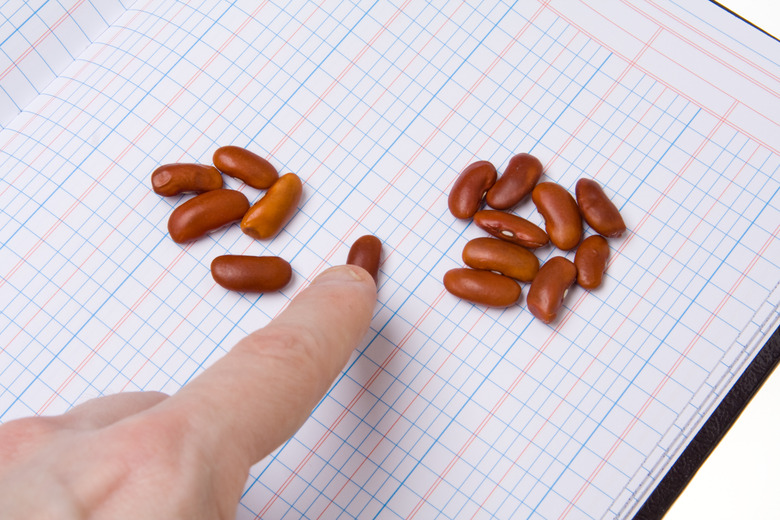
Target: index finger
261,392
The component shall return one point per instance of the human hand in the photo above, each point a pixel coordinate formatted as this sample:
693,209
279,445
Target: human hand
146,455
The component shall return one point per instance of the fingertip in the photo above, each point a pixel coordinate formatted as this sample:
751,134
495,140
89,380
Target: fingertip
345,274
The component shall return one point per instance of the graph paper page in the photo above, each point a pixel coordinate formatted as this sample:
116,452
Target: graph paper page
447,409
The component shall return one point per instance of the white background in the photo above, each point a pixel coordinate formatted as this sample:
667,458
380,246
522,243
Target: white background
740,478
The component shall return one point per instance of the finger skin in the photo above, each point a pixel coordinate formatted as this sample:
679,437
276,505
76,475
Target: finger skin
256,396
102,411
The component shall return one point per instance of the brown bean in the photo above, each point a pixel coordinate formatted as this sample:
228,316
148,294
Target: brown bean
545,296
482,287
205,213
173,179
267,216
511,228
599,212
503,257
561,215
469,188
518,180
251,273
366,252
591,261
246,166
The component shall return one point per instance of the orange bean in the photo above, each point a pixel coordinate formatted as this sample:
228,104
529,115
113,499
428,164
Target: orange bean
511,228
246,166
482,287
545,296
366,252
599,212
205,213
173,179
267,216
518,180
251,273
469,189
503,257
591,261
561,214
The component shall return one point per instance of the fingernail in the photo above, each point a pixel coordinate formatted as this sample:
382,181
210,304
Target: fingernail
343,273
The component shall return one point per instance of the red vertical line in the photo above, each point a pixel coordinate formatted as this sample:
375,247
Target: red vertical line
109,334
594,358
41,240
430,137
254,76
409,405
20,131
63,284
715,57
166,339
441,294
97,181
538,354
630,132
401,71
649,74
346,410
433,134
606,95
671,257
338,79
287,41
693,45
667,376
41,38
473,436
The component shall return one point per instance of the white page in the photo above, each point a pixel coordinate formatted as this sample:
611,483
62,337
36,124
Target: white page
40,39
447,409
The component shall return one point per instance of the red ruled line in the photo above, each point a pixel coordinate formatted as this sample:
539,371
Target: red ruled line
435,372
670,373
677,91
606,95
81,198
476,433
722,48
50,99
121,155
609,340
374,203
15,64
647,290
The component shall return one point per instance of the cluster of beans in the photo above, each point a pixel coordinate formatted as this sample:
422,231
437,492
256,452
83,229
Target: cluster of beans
214,207
496,265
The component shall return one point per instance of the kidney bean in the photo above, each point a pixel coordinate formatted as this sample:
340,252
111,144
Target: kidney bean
545,296
366,252
518,180
599,212
591,261
246,166
511,228
503,257
469,188
482,287
176,178
561,215
251,273
205,213
267,216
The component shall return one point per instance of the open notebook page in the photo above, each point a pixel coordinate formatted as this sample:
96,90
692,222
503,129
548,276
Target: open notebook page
447,409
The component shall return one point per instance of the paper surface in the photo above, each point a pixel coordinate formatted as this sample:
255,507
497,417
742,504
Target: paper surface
447,410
